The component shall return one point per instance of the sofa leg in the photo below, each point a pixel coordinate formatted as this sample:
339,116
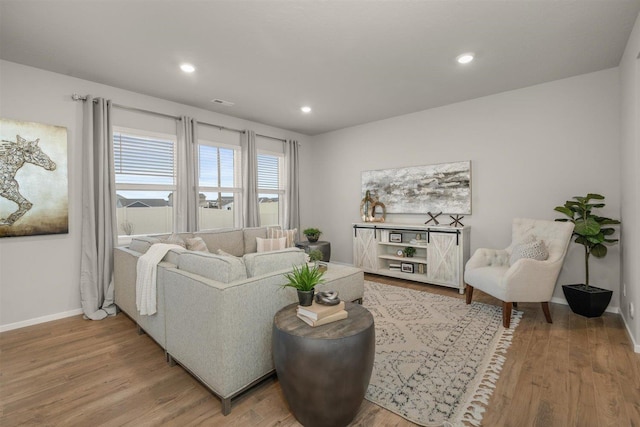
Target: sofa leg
506,313
515,305
170,360
140,330
469,294
547,313
358,301
226,406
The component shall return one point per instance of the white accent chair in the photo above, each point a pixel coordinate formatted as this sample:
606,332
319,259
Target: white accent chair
526,280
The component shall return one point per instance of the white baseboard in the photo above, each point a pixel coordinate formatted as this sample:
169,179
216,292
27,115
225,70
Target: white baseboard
636,346
37,320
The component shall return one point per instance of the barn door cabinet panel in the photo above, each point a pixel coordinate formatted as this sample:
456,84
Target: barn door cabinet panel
427,254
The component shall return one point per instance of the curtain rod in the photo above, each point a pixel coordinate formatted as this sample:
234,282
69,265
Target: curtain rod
77,97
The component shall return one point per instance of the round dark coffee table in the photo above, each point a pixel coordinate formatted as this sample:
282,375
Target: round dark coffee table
324,371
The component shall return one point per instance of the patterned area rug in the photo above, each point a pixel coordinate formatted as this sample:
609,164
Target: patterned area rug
437,359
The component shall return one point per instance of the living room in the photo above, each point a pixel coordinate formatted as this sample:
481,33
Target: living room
531,147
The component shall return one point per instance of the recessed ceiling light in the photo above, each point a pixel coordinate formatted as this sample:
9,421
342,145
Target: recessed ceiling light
305,109
465,58
187,68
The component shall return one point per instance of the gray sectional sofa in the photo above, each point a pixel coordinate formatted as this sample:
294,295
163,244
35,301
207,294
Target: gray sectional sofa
214,312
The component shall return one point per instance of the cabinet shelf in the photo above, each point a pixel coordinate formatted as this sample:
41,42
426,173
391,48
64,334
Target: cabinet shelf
413,260
403,245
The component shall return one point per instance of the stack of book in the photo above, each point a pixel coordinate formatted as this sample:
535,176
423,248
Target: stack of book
395,266
319,314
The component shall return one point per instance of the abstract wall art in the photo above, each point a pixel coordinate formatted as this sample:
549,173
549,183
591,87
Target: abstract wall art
444,187
33,179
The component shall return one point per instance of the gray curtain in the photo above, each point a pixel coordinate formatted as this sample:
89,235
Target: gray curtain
250,208
98,210
292,205
186,198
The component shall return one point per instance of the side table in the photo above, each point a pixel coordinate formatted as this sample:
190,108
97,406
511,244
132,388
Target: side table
324,371
322,246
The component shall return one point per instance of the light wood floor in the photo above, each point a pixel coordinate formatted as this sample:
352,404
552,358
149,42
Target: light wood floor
74,372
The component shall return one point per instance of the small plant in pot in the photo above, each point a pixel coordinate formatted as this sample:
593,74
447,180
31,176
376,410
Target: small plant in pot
304,279
591,231
409,251
313,234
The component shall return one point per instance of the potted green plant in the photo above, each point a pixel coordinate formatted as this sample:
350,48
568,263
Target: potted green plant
409,251
313,234
591,232
304,279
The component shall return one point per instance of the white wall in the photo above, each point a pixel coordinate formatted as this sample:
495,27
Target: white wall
531,149
40,275
630,177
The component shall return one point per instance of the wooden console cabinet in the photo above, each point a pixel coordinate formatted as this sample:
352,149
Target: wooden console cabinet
440,252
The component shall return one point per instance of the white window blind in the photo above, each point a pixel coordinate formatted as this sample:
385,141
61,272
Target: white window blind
268,172
140,159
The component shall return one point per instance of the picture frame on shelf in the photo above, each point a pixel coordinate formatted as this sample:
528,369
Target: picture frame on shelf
395,237
406,267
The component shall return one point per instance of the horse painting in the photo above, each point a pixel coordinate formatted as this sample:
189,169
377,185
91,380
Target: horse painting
13,155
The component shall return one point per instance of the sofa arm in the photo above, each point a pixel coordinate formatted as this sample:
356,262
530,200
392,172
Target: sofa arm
484,257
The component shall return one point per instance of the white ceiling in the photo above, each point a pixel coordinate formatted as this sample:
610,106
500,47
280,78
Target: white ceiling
352,61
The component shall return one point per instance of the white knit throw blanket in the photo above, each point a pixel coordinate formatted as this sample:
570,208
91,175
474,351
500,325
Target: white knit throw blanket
147,269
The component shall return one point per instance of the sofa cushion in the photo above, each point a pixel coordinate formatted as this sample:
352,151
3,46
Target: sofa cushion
260,263
223,269
250,235
268,245
229,240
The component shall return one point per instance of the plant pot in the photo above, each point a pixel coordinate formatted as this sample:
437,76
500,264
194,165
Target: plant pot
588,302
305,298
313,239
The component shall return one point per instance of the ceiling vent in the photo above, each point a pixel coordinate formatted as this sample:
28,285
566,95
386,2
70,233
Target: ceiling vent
222,102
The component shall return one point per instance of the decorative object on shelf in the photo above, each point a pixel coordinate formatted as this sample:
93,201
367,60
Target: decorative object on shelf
456,220
304,279
33,166
583,299
312,234
407,267
412,189
433,218
400,252
327,298
409,251
395,237
365,206
374,212
421,268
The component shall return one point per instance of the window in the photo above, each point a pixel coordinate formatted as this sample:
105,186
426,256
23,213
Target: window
145,178
270,188
219,185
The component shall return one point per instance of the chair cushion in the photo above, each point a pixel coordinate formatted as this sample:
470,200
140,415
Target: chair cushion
274,233
142,243
250,235
229,240
533,250
488,279
196,244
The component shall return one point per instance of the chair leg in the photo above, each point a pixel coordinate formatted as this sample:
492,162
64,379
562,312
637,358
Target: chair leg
515,305
469,294
547,313
506,313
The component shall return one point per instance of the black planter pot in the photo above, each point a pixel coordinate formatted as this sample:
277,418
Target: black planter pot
588,302
305,298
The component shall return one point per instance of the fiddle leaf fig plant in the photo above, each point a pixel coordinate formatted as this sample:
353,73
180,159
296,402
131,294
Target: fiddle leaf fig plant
589,229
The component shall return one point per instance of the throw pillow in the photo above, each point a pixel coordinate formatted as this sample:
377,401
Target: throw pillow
533,250
275,233
197,244
174,239
268,245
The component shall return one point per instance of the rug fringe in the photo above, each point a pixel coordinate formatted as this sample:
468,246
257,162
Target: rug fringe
476,405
